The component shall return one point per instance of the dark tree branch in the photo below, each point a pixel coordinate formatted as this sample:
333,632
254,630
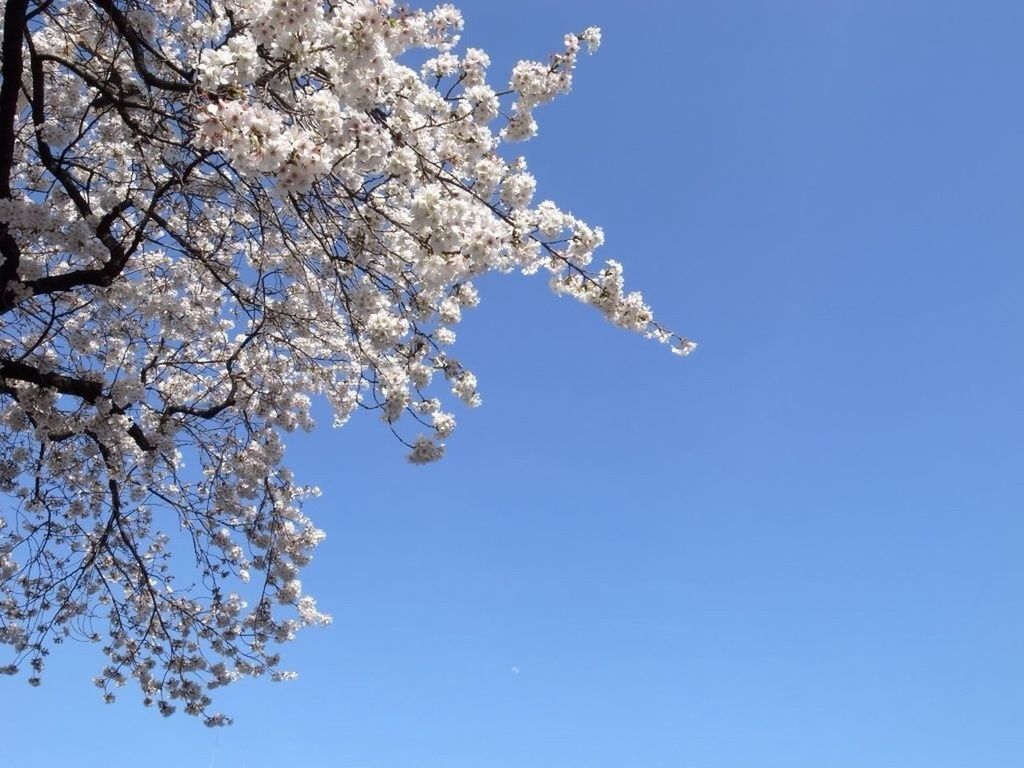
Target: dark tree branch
139,47
87,390
90,391
13,67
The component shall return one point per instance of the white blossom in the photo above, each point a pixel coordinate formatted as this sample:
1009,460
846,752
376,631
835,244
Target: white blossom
217,213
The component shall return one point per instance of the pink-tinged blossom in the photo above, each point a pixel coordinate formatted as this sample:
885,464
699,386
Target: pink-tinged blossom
219,212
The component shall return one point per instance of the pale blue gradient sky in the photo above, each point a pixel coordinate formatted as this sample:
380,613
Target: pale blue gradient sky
799,548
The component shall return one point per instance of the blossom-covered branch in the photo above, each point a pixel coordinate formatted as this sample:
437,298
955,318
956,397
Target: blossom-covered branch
212,212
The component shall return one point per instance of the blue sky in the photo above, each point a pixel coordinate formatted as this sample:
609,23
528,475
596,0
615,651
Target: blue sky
800,547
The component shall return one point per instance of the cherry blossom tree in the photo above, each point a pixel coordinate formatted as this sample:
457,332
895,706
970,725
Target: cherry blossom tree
212,212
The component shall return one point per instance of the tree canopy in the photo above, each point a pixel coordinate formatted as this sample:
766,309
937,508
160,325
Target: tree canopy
212,212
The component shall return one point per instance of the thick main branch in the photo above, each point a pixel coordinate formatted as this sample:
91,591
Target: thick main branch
12,68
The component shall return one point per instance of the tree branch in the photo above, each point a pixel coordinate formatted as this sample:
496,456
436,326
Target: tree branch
90,391
13,67
139,46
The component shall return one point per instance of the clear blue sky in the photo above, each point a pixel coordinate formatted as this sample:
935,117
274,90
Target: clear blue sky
801,547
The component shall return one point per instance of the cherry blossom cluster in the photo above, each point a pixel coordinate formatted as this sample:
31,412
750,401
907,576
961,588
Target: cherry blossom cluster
214,213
